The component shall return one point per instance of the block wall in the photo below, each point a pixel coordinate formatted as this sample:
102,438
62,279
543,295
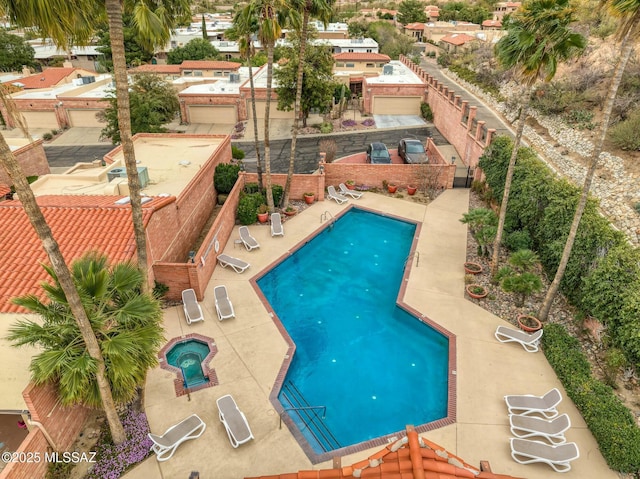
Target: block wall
32,159
401,175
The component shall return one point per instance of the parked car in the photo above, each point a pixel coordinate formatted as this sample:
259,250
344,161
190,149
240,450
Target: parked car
412,151
378,153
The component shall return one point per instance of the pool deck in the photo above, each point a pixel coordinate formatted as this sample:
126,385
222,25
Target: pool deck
251,351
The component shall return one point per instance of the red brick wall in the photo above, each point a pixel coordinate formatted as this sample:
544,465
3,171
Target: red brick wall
300,184
32,159
373,175
62,424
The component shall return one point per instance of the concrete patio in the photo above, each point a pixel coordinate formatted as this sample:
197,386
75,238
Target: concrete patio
251,350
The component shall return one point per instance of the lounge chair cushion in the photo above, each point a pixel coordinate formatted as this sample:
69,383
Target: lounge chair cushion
558,457
234,421
165,446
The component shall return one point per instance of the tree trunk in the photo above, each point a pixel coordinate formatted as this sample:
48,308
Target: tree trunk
255,116
267,147
625,53
508,180
297,109
114,14
61,270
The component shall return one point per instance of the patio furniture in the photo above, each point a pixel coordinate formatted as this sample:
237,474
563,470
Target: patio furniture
192,309
165,446
234,421
238,265
276,225
334,195
249,241
530,342
347,192
558,457
224,308
525,427
528,404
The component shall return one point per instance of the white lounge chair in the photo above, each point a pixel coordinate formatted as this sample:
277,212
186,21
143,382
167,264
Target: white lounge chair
558,457
192,309
528,404
530,342
224,308
234,421
248,240
164,446
334,195
276,225
525,427
238,265
347,192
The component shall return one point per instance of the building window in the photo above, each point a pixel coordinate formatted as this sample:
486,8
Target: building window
369,50
217,74
370,65
340,64
350,50
380,65
187,73
197,73
350,65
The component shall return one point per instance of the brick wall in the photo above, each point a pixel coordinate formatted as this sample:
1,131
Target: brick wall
32,159
300,184
401,175
62,424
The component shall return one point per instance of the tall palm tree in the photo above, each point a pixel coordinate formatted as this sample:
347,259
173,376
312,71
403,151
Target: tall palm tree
72,22
272,16
322,10
59,267
538,38
126,323
628,13
245,24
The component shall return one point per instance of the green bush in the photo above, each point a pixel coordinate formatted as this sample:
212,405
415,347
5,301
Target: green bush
326,127
425,111
54,132
47,136
237,153
225,177
519,239
278,192
625,134
251,188
247,209
611,423
160,290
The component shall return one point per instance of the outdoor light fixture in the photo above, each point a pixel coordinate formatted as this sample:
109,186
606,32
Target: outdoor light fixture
192,255
453,159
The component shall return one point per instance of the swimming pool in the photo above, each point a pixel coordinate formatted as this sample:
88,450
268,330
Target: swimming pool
374,366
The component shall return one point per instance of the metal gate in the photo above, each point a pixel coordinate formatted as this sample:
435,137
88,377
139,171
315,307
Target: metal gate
463,177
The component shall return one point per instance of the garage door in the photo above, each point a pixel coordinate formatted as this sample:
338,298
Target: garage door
40,119
396,105
274,113
84,119
212,114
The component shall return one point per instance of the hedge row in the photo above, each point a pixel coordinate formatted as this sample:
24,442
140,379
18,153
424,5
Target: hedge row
603,274
611,423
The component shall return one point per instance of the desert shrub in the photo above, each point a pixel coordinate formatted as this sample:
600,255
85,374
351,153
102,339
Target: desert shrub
329,147
237,153
225,177
159,290
326,127
425,111
47,136
625,133
54,132
248,207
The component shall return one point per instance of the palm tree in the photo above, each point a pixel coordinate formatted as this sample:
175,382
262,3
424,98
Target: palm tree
245,24
127,326
72,22
538,38
66,284
272,14
321,9
628,13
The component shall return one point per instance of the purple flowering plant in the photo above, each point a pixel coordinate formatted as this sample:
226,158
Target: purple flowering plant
369,122
349,123
113,461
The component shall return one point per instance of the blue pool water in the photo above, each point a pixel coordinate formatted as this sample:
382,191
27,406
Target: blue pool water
373,365
188,357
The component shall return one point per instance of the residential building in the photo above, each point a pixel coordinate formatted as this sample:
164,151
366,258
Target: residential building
505,8
457,42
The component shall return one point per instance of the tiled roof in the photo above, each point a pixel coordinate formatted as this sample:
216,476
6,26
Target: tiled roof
458,39
492,23
414,26
4,189
210,65
361,56
79,224
168,69
412,457
46,79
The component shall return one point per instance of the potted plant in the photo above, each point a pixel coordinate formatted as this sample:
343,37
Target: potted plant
528,323
263,213
392,188
309,197
290,210
350,184
411,190
472,268
476,291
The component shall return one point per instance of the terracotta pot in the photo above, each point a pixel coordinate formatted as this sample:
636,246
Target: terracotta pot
351,186
263,217
472,268
290,213
309,199
528,323
392,188
470,292
411,190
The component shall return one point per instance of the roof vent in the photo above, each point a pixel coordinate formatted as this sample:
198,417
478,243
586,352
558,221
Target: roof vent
387,70
234,77
116,173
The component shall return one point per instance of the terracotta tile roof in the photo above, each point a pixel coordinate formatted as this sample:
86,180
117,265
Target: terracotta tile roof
79,224
210,65
166,69
361,56
4,189
492,23
412,457
414,26
46,79
458,39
